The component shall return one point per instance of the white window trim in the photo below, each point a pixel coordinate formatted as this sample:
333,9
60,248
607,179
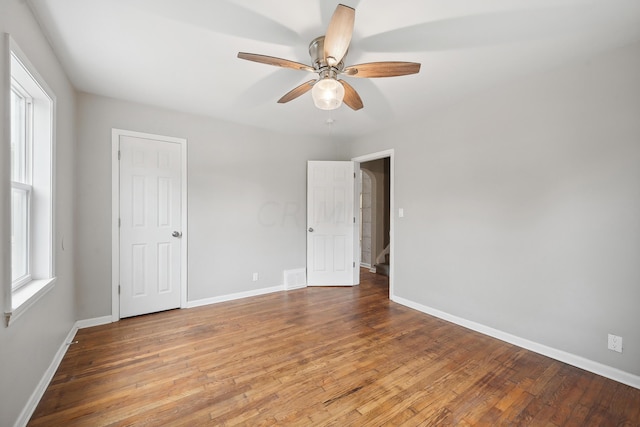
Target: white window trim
26,296
18,301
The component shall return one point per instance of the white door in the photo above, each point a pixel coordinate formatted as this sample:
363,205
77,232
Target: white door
331,224
150,225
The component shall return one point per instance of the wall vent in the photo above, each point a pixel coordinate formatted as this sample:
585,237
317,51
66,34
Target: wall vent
295,279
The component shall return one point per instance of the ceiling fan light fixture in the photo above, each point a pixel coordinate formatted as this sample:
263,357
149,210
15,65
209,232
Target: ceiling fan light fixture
327,94
327,54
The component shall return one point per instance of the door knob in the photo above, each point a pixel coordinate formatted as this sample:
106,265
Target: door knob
310,230
176,234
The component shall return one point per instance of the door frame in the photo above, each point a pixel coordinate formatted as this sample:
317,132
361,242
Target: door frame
115,214
375,156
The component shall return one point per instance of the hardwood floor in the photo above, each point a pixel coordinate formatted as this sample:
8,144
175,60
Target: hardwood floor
318,356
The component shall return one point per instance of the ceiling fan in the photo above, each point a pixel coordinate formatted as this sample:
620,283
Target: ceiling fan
327,58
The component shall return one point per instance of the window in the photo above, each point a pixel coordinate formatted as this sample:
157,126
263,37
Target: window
31,141
21,188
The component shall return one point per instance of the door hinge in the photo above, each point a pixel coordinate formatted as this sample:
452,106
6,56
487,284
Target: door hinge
118,289
354,219
118,154
354,264
354,175
119,222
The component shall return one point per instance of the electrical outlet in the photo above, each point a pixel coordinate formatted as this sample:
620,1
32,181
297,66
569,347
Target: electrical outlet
615,343
255,277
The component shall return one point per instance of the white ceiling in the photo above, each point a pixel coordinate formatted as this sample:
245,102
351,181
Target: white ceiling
181,54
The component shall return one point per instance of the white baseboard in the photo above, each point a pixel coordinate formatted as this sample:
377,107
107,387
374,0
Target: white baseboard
96,321
231,297
37,394
560,355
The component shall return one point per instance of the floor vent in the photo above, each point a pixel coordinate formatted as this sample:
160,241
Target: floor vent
295,279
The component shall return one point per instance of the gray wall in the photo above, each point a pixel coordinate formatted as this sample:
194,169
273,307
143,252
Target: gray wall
28,346
522,207
246,199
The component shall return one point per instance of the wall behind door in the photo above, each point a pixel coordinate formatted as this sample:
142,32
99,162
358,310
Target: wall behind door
246,199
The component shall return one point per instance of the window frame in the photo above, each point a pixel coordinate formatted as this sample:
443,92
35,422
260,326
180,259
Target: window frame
23,182
39,177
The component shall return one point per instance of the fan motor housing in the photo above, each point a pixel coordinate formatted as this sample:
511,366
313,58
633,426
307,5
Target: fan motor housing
316,51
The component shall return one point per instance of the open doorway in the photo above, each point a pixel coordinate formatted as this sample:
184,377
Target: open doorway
375,198
376,215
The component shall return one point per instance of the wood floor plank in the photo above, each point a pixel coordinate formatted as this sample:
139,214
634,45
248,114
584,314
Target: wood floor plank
317,356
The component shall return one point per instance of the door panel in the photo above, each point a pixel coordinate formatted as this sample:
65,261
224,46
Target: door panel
150,211
330,223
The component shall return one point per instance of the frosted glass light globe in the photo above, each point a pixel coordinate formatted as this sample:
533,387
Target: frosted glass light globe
327,94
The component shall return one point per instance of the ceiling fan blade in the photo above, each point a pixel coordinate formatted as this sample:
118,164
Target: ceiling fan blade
271,60
296,92
382,69
339,32
351,97
327,8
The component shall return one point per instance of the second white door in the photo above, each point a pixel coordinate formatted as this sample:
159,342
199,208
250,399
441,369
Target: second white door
331,224
150,225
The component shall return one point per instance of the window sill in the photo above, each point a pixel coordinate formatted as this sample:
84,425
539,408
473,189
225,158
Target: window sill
26,296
